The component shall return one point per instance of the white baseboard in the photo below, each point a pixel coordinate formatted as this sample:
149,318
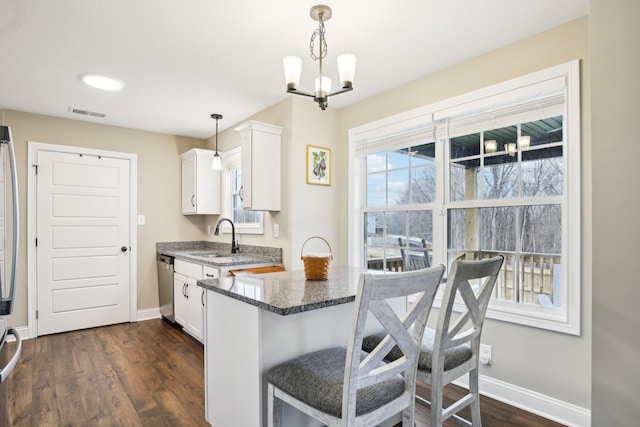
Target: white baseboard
141,315
147,314
531,401
23,331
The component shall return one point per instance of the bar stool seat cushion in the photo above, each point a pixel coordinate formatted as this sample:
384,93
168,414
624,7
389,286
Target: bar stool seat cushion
454,357
317,379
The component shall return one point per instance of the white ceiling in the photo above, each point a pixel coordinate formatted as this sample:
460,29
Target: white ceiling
180,61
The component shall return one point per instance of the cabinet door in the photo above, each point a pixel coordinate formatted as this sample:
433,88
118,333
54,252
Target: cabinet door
195,301
200,184
245,166
261,166
179,300
189,185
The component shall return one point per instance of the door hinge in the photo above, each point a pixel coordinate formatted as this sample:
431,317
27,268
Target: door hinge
36,242
36,166
36,314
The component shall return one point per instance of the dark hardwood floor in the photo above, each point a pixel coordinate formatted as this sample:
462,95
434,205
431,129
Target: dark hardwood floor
139,374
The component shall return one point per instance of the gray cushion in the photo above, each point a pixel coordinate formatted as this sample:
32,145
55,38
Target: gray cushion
317,379
455,356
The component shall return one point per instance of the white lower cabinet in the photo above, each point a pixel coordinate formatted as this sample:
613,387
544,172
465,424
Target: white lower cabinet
188,297
180,308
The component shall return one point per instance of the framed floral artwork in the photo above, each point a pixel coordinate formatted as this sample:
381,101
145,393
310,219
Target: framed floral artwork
318,165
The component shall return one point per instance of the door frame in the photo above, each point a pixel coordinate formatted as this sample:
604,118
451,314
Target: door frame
34,148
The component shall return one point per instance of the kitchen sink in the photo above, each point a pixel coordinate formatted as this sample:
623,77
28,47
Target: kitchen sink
209,254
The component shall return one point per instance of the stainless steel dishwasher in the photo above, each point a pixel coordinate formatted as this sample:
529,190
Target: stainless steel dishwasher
165,286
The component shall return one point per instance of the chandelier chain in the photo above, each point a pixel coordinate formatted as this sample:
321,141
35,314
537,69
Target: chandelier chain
323,48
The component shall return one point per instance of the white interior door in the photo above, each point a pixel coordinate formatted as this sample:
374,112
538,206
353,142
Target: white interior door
83,241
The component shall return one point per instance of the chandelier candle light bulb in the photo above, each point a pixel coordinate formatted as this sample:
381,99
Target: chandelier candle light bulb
292,71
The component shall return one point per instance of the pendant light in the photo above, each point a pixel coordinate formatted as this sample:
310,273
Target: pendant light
217,164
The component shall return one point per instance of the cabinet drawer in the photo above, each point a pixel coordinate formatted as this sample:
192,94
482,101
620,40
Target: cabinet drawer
210,272
188,269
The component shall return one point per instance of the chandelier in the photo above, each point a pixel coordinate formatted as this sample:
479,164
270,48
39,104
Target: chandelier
318,50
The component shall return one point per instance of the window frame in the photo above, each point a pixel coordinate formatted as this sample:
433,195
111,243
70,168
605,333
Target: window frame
515,92
232,160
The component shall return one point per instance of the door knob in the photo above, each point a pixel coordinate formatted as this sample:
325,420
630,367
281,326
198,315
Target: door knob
123,249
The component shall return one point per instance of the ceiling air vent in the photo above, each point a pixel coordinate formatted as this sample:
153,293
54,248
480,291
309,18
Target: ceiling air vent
86,112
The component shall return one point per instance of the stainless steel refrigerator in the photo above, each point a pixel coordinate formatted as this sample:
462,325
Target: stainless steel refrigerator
9,354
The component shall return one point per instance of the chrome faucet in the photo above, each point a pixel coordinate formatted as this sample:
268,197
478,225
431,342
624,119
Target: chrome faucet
235,248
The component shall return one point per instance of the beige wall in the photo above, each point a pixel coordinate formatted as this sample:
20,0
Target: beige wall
550,363
158,189
613,37
307,210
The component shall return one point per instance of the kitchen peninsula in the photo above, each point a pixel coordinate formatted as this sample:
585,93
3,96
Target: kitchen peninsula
253,322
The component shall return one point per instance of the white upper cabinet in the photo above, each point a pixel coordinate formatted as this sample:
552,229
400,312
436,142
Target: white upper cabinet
261,166
200,183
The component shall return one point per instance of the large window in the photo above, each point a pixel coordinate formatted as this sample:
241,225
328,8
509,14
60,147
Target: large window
494,171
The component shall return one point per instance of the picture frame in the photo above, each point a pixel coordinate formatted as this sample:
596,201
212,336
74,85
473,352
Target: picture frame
318,165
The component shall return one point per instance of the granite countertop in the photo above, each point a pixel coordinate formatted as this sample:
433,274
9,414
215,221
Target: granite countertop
289,292
219,254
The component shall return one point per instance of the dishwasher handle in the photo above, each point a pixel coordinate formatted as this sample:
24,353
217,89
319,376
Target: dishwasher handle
165,259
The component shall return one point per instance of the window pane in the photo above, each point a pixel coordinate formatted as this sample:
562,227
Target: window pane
544,131
542,229
465,146
398,159
500,179
388,231
376,162
242,217
381,248
456,183
398,187
542,172
377,190
530,239
462,173
423,184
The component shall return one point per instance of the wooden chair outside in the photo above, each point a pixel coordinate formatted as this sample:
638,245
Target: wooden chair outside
347,387
415,256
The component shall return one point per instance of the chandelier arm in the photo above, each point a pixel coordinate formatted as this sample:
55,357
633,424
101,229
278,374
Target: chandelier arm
300,92
343,90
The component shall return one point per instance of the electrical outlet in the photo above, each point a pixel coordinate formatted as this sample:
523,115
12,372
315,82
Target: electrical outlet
485,354
276,230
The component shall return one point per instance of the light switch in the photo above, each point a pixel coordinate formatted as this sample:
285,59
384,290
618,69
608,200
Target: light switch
141,220
276,230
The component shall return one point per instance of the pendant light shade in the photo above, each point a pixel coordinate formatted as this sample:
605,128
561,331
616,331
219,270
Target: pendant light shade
217,164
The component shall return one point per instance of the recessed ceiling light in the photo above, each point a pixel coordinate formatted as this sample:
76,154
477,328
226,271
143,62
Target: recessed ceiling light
101,82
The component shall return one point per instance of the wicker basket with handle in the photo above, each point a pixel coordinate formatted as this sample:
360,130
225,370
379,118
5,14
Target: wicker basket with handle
316,267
